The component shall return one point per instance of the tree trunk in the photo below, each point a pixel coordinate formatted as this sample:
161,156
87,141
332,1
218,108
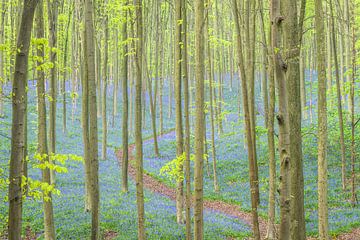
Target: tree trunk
52,15
104,88
63,87
18,120
322,122
354,199
187,123
85,127
138,121
178,110
199,120
283,120
292,33
42,138
125,116
248,130
89,53
269,102
339,104
211,90
2,57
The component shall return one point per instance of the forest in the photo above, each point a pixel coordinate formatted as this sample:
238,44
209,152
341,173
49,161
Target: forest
175,119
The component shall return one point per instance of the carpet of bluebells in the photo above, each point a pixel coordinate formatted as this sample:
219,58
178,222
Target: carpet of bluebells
233,171
118,210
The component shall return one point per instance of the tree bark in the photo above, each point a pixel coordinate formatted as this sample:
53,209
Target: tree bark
138,122
125,116
18,120
322,122
42,138
104,87
178,110
199,120
339,104
248,130
53,16
187,124
89,53
292,33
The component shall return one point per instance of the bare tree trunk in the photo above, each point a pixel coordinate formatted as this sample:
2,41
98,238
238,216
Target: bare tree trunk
199,120
2,57
178,111
53,14
42,138
85,126
292,29
212,102
63,87
138,121
354,199
283,120
303,83
248,130
187,123
89,53
125,116
269,102
322,122
18,120
104,88
339,104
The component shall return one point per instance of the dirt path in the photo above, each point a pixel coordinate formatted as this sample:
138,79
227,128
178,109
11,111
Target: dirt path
229,209
158,187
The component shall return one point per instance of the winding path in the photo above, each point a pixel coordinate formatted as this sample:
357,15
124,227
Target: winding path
156,186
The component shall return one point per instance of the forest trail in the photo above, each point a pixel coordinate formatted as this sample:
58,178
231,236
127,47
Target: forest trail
156,186
232,210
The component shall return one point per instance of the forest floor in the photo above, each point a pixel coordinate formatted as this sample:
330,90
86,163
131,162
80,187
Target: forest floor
159,187
232,210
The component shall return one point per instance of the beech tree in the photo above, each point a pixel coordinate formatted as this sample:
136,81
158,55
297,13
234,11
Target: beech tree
89,78
322,122
138,121
42,136
18,119
199,120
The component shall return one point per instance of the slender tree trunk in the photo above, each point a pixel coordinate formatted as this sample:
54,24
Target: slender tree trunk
303,83
282,118
199,121
339,105
2,57
18,120
104,88
152,112
187,123
249,138
329,55
125,117
116,77
348,53
211,89
354,199
53,15
42,138
322,122
178,111
63,87
89,53
138,121
269,102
